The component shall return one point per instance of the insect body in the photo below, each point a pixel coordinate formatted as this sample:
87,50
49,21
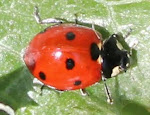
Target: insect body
69,56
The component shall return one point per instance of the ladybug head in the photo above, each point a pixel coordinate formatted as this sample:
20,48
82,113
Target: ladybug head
114,58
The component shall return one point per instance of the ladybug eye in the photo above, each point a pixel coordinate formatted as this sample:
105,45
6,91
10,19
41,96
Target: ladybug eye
42,75
70,36
70,64
77,82
95,52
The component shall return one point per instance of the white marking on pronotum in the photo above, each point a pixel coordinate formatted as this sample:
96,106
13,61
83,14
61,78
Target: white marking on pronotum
7,109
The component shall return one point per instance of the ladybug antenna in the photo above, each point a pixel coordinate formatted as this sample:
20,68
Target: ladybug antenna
128,33
108,94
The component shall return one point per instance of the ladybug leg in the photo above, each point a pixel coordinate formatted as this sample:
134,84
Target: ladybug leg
83,92
42,89
37,82
93,27
76,18
108,94
45,21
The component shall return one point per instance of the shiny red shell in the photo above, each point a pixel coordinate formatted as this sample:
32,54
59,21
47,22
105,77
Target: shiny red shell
47,53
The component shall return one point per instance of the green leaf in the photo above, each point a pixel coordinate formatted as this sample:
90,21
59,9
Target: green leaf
129,90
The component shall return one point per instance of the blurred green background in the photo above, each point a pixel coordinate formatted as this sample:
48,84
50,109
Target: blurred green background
130,90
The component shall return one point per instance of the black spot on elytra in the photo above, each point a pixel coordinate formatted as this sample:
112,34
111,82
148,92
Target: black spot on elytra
78,82
42,75
70,36
95,52
70,64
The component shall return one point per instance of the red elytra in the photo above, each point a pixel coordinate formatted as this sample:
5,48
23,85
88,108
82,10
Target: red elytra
61,57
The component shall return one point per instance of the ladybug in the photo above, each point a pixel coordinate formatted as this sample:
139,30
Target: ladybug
69,56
